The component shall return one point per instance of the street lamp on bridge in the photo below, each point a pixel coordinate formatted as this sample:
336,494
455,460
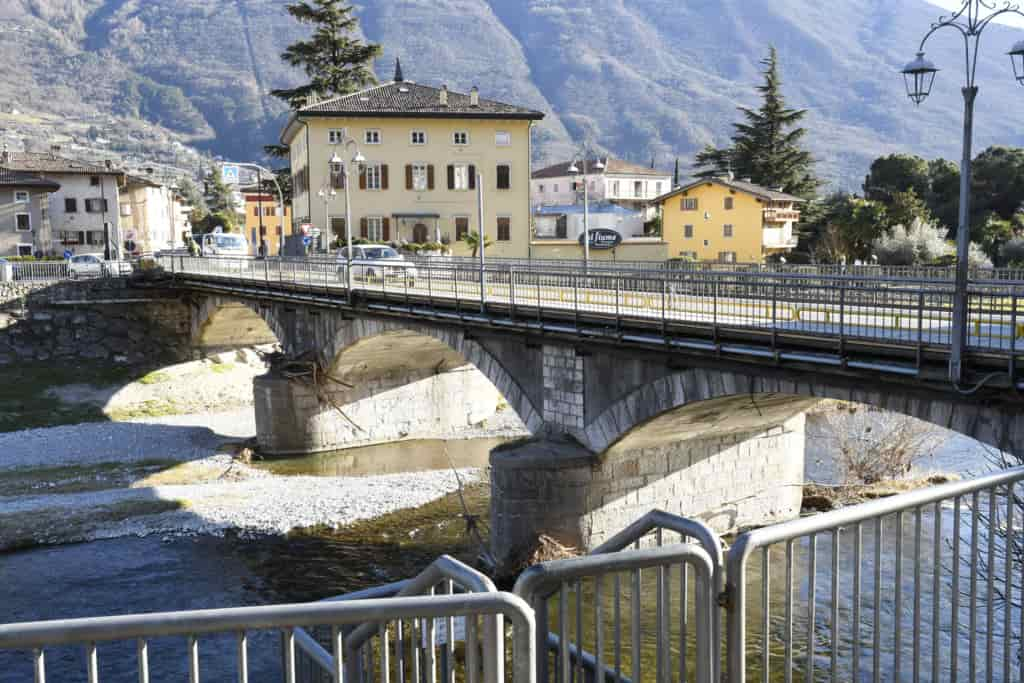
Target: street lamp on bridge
919,75
337,162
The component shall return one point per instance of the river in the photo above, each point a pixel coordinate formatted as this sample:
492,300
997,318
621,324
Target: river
173,573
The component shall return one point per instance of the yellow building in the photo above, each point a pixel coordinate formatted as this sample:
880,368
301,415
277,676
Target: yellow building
423,147
726,220
262,209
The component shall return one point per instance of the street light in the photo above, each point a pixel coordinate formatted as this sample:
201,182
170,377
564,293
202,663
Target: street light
574,171
357,159
919,76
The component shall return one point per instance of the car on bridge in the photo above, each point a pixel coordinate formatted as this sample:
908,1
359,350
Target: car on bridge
92,265
373,262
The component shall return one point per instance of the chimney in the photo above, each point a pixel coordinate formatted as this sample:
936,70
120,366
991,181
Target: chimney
444,96
474,97
55,149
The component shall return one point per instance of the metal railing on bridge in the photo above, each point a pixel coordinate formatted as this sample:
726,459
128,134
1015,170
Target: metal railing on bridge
787,316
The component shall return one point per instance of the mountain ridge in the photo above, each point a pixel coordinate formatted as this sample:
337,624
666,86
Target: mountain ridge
651,78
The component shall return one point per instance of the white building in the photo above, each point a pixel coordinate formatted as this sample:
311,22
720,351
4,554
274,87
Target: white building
82,216
151,217
628,185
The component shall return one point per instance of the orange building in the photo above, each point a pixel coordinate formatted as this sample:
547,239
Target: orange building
262,210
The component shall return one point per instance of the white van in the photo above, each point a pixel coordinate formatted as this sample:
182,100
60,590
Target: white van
224,244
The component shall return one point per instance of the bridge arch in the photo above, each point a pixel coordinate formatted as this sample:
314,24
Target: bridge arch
994,425
220,324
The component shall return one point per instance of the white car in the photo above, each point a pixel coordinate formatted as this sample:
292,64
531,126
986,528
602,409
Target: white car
224,244
92,265
372,262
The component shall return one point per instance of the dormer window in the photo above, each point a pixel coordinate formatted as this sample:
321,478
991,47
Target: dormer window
372,136
460,137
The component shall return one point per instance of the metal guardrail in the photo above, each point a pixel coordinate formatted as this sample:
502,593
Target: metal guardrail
572,584
862,634
37,636
803,318
403,649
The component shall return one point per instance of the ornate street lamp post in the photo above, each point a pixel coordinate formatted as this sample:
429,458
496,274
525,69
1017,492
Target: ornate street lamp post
575,172
919,76
337,162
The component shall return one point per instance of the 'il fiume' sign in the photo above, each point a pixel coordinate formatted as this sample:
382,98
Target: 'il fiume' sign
603,238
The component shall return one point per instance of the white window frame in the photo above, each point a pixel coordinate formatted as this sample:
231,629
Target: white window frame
20,245
419,176
18,215
21,196
460,177
335,136
414,133
638,189
372,136
657,188
375,228
373,177
498,137
464,138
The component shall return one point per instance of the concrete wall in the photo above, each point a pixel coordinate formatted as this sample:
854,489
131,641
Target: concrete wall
293,416
730,480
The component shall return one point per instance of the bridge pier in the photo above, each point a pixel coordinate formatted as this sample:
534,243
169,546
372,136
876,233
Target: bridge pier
728,478
295,416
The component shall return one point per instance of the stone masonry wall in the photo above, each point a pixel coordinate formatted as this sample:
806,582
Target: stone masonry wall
562,490
102,320
292,418
563,389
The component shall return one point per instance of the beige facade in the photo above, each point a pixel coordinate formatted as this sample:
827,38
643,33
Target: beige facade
424,148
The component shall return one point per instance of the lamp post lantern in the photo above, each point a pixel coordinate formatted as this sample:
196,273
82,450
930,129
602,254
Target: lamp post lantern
970,21
575,171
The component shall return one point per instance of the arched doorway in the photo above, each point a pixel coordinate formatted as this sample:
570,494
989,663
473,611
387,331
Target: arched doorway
419,233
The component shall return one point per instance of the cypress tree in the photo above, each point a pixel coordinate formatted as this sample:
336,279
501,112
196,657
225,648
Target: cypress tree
766,145
336,61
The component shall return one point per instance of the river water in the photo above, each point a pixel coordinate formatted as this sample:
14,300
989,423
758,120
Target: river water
157,574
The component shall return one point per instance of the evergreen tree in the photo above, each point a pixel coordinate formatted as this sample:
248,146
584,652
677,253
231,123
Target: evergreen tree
334,59
766,146
220,199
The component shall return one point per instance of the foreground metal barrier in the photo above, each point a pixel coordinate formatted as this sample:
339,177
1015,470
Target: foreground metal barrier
38,636
592,645
882,630
402,649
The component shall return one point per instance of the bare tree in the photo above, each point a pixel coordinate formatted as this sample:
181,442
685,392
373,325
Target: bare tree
873,446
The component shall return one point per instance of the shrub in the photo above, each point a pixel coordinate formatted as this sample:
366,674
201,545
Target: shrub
873,446
920,243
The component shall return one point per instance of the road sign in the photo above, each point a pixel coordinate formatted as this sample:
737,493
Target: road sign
307,240
229,174
315,232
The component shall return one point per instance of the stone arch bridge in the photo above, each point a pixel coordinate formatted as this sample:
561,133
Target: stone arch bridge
618,427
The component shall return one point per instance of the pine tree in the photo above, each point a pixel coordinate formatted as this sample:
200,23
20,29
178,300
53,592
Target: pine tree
336,61
766,146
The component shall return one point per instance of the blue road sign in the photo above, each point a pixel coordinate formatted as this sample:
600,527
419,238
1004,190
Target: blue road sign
307,240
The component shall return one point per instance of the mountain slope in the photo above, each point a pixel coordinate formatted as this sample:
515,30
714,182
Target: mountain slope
640,79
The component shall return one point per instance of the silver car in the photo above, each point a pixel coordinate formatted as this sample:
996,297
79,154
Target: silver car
372,263
92,265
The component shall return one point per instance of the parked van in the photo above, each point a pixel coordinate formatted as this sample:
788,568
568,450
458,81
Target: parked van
224,244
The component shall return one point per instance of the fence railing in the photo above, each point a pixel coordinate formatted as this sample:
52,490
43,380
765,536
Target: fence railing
193,626
590,640
888,600
910,314
399,650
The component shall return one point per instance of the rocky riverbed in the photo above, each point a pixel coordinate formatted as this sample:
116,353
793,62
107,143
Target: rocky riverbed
165,462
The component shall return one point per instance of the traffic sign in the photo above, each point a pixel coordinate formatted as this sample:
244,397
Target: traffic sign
229,174
315,232
307,240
